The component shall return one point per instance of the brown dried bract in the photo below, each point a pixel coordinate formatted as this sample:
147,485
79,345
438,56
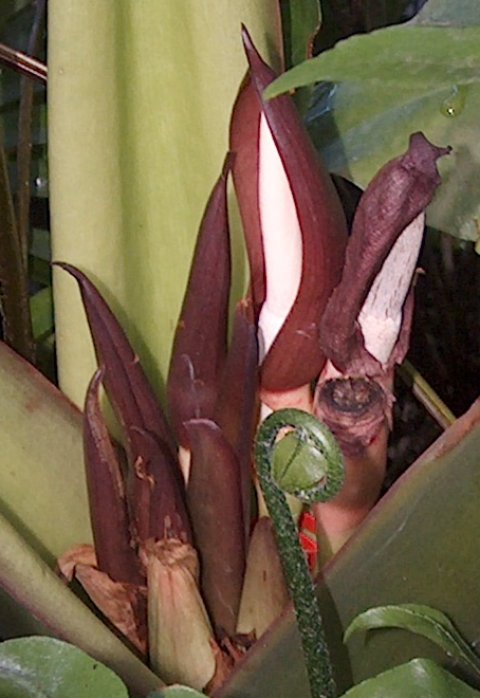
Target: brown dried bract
123,604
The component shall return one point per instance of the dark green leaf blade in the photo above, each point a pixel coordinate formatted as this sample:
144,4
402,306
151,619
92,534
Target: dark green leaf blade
41,309
301,20
27,579
42,667
366,116
424,620
356,142
463,13
422,59
342,18
420,677
422,533
176,692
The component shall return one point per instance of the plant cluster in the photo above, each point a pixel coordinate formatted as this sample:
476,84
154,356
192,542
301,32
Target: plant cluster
276,419
319,311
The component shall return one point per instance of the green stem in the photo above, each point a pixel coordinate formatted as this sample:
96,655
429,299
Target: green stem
319,476
426,395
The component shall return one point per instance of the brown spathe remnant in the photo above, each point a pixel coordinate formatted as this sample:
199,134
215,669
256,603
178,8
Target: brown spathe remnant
353,409
399,193
365,331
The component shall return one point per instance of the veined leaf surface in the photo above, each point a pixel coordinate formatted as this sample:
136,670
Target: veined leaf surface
379,88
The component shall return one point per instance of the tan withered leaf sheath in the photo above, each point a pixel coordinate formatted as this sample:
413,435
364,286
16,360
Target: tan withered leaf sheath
153,468
200,343
400,192
295,356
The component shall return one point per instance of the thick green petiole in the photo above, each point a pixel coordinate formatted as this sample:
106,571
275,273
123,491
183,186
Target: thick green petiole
318,467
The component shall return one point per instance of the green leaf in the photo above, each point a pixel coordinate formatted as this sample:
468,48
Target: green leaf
41,667
461,13
417,543
356,141
422,59
43,490
137,137
40,247
426,621
420,677
301,20
41,308
40,271
27,579
423,76
177,692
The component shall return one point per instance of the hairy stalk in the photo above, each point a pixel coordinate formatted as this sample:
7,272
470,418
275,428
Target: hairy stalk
313,473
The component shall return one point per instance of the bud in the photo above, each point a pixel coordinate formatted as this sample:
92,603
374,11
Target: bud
265,592
182,646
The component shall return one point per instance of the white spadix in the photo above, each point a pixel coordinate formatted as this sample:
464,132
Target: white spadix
381,315
281,237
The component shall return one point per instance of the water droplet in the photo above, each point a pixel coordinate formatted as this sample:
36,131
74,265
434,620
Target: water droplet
454,104
41,183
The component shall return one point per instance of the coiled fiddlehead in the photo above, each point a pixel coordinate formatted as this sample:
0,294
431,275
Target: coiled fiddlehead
313,473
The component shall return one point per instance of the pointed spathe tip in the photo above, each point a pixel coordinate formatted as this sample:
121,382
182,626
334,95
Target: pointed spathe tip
253,57
228,164
247,39
424,155
71,269
419,140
